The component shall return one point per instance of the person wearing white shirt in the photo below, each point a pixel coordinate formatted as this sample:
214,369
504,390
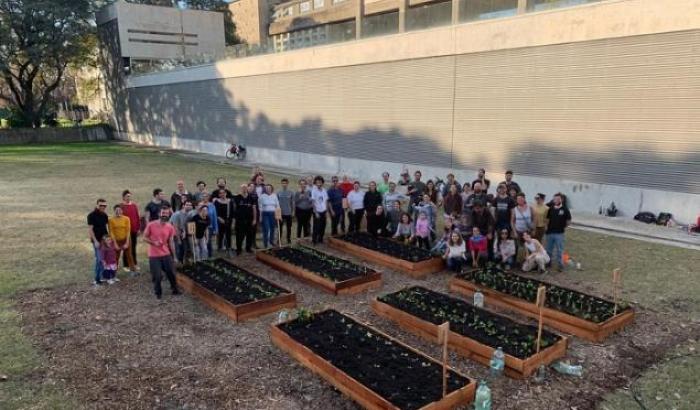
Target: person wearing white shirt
268,203
455,254
319,198
356,203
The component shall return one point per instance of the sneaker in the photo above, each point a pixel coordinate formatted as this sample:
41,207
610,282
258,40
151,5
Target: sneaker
507,268
97,283
116,279
126,269
110,281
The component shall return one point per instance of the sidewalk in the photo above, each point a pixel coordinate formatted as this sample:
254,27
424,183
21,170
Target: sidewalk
619,226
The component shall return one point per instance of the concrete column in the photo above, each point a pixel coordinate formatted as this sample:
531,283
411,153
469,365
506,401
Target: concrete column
359,17
455,11
522,6
403,6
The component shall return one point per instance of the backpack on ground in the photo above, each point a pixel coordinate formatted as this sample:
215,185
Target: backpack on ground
664,218
646,217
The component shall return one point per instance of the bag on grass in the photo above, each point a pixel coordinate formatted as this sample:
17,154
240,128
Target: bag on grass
664,218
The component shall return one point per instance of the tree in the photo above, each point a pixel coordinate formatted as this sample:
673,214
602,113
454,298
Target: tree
38,40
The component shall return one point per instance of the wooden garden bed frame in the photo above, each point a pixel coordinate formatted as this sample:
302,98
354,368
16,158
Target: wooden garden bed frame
585,329
351,286
514,367
358,392
417,270
238,313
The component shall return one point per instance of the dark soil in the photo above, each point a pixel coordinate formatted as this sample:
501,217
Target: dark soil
488,328
388,246
322,264
401,376
232,283
565,300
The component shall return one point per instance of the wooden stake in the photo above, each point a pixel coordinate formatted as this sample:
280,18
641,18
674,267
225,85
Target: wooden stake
541,296
616,285
443,332
191,230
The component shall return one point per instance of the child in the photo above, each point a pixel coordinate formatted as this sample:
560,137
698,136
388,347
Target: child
536,255
441,245
423,230
393,215
201,233
504,249
455,254
109,260
463,226
405,231
428,207
478,246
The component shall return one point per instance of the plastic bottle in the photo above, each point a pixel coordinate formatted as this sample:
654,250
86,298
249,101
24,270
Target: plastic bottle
478,299
498,362
283,316
541,374
567,368
482,400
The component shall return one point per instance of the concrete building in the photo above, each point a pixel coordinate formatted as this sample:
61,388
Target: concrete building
144,33
599,101
252,19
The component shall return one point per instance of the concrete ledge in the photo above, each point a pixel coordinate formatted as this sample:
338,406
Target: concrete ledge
55,135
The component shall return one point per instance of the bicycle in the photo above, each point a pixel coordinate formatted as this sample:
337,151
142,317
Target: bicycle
236,151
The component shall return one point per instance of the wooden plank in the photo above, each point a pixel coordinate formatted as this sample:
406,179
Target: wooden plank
514,367
594,332
417,270
350,286
238,313
358,392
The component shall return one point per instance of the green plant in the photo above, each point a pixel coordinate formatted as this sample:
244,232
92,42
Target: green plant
304,315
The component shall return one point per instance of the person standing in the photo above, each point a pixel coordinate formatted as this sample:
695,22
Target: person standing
160,236
539,214
503,205
356,202
521,217
319,198
153,208
416,189
131,211
482,219
558,219
370,202
450,181
477,195
452,201
179,221
201,232
179,196
213,220
268,203
383,185
430,209
222,184
335,199
120,232
481,178
201,189
286,198
253,192
98,221
346,186
244,206
224,212
509,183
303,209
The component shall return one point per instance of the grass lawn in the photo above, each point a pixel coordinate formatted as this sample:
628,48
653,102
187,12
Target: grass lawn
49,189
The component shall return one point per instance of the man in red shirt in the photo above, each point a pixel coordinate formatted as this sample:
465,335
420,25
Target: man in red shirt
131,211
159,235
346,186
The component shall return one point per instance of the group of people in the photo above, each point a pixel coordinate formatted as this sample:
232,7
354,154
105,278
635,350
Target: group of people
477,226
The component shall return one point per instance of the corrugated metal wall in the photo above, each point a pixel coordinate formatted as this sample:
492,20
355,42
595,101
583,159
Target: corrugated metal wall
619,111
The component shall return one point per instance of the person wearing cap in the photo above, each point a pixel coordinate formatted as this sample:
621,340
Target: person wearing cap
404,182
509,183
383,185
539,214
481,178
482,219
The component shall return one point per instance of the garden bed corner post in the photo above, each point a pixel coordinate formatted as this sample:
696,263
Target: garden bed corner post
616,278
191,232
541,296
443,334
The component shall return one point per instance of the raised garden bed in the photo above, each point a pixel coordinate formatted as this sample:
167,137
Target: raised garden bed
375,370
327,272
474,332
233,291
416,262
568,310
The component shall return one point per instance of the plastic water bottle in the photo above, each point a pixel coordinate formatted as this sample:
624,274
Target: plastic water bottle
283,316
541,374
567,368
498,362
478,299
482,400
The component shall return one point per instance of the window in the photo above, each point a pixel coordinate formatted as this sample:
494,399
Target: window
318,4
305,7
289,11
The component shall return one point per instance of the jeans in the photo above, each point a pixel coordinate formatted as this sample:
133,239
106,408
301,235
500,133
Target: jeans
455,264
510,261
555,243
158,265
286,222
303,221
356,220
181,248
98,264
268,228
201,250
319,227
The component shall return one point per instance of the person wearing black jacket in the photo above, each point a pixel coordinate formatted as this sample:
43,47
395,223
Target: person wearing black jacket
372,200
482,218
377,225
224,212
245,207
180,196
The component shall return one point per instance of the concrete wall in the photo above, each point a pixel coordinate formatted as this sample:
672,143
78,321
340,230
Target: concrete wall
54,135
601,119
